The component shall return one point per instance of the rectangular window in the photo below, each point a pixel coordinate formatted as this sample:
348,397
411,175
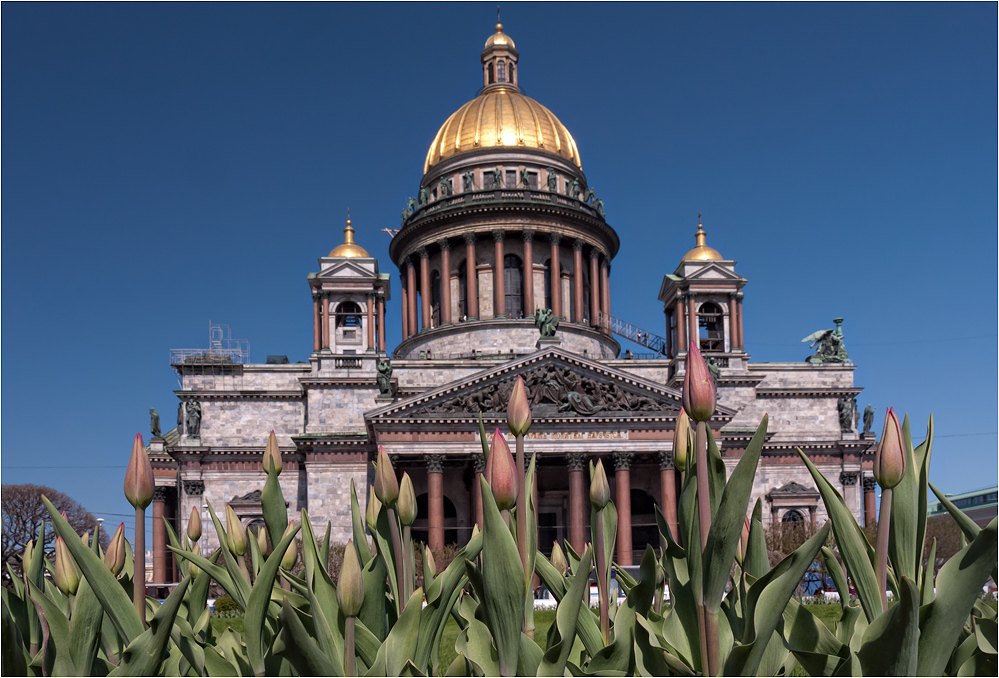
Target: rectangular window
511,178
349,334
532,180
488,180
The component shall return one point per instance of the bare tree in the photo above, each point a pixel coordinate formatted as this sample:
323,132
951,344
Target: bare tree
23,513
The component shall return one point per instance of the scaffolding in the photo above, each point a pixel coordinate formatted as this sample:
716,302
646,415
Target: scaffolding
213,368
641,337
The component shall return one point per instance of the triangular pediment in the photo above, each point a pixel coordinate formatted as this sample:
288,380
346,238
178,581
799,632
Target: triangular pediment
560,385
713,271
346,268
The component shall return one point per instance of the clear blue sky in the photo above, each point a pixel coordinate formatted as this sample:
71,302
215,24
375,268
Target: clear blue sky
169,164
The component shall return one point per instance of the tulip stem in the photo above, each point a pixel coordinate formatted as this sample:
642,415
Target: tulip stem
708,621
408,565
139,565
881,552
601,579
521,504
349,657
397,555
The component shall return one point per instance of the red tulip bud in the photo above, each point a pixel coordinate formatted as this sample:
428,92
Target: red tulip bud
139,476
698,387
272,454
114,558
501,473
386,484
66,577
407,501
599,487
518,410
683,441
890,457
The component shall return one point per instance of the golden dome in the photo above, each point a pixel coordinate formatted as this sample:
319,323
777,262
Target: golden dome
701,251
502,118
349,248
500,38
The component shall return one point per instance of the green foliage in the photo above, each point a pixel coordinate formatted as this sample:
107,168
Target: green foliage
470,617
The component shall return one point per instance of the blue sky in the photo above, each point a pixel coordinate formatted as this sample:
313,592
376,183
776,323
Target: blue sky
169,164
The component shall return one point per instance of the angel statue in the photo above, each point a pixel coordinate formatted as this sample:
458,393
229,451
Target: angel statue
831,348
546,321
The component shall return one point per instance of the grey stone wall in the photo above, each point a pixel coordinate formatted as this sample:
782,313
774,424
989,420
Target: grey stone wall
329,495
338,409
242,422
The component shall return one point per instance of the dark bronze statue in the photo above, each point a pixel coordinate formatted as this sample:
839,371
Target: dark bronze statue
180,418
497,178
468,181
445,187
715,372
552,180
424,195
831,348
868,418
574,189
599,206
154,423
546,321
845,409
384,377
193,418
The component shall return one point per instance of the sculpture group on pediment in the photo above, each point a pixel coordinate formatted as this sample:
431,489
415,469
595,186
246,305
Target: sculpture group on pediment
553,389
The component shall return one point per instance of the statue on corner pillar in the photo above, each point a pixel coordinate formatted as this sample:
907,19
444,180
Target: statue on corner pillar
546,322
384,377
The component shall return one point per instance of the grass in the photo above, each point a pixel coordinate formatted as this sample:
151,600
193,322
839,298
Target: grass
543,619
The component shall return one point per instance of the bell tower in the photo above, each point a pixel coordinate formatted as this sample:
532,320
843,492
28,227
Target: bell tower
702,301
348,301
499,61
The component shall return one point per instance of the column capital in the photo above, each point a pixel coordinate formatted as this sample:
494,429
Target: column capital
195,488
371,294
576,461
469,238
424,254
408,260
478,463
577,245
666,459
380,294
528,235
445,245
316,293
499,234
869,484
435,463
554,238
622,460
605,264
848,478
733,295
161,492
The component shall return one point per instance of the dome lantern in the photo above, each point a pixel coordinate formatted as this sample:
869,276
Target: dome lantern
349,249
701,251
499,61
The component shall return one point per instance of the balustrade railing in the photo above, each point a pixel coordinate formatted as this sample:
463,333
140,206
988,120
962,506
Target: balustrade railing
527,195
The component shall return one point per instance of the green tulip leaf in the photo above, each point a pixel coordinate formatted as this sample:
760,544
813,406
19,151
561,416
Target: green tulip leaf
239,583
260,598
837,575
322,598
756,562
85,627
300,648
272,506
902,537
55,632
357,527
144,654
566,621
890,645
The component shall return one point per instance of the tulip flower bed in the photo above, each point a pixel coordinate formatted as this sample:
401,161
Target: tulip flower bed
730,612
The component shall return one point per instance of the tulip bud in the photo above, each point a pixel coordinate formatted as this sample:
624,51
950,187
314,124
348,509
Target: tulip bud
350,585
235,532
66,577
262,540
740,550
291,555
682,441
475,530
698,387
501,473
518,410
407,501
85,539
558,559
194,525
193,569
373,509
431,563
139,476
29,550
386,484
272,454
114,558
890,457
599,487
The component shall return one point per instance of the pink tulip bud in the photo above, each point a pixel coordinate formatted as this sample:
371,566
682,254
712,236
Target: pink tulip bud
407,501
698,387
518,410
386,484
501,473
194,525
683,441
66,577
114,558
890,457
272,454
350,585
599,487
235,532
139,476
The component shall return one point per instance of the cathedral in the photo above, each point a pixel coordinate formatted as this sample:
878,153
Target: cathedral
504,264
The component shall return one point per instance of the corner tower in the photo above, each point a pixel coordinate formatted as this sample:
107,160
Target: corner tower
504,224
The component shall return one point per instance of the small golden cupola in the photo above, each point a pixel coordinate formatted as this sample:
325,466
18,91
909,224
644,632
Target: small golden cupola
701,251
349,248
499,61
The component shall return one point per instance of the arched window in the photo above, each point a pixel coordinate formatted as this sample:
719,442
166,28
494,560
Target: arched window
463,289
549,287
501,71
435,299
586,297
512,79
348,314
711,324
513,281
489,72
792,518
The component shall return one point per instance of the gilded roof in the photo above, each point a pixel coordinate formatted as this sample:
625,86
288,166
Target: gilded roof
701,251
349,248
501,118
